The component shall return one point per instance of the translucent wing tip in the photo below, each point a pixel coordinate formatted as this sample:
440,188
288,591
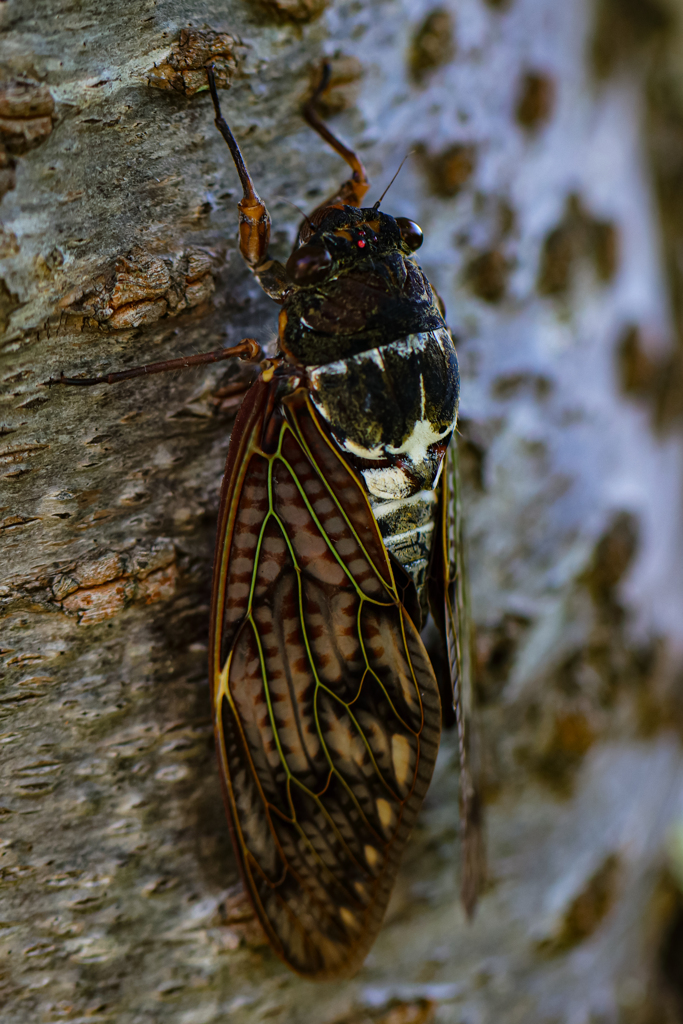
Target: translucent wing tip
473,856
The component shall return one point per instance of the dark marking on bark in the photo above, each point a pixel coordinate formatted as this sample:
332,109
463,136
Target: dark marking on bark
571,738
487,275
512,385
472,449
8,177
301,11
613,556
646,34
588,910
507,218
666,997
650,377
496,650
8,303
433,44
448,171
625,30
536,100
639,372
577,237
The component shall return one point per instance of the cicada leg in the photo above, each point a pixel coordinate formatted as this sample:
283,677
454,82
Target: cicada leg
248,349
352,191
254,218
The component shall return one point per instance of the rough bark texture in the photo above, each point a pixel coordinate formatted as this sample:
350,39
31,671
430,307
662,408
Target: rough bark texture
548,150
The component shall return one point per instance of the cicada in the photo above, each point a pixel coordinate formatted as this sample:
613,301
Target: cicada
338,531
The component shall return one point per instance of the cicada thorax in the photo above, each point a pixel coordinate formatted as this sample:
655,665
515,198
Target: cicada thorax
382,371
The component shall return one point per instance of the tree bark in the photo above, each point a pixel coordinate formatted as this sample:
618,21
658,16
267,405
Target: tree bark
546,159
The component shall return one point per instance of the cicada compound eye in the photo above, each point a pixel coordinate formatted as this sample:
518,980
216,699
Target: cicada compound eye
309,264
411,233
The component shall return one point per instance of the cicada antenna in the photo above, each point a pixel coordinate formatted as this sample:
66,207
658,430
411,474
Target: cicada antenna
377,204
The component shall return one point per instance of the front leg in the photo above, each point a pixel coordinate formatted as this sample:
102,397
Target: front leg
254,227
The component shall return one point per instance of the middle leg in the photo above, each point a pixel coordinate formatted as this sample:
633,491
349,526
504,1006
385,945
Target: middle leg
248,349
352,191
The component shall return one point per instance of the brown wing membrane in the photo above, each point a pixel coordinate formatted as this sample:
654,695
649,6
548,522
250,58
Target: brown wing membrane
327,711
449,600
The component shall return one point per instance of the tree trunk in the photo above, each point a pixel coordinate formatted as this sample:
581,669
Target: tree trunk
547,150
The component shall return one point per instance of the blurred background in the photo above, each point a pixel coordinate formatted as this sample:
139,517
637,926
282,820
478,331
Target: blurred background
546,172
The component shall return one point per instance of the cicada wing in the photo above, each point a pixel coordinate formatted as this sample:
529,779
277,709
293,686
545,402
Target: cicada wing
326,708
459,636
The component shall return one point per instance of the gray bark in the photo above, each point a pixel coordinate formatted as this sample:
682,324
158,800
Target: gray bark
544,164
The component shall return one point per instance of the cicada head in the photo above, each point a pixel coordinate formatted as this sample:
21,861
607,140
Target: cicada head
343,236
355,285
